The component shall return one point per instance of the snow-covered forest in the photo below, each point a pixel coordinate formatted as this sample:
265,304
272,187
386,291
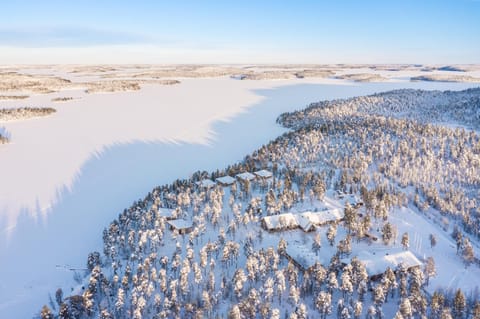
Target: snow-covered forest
401,167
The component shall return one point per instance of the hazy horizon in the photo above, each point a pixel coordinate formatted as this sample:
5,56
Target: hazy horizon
148,32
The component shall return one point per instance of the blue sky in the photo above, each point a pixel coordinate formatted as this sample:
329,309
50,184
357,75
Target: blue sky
344,31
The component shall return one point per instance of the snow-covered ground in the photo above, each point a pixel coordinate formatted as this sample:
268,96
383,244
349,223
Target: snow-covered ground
451,272
65,177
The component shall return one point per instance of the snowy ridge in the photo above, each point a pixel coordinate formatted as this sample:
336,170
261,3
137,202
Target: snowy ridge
462,108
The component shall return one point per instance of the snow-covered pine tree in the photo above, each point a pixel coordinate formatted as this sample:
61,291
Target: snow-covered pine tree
323,302
405,241
459,304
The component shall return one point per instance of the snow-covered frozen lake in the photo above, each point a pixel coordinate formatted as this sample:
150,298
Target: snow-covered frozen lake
65,177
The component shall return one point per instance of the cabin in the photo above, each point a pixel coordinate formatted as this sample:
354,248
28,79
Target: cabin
279,222
167,213
181,225
205,183
324,217
376,262
303,257
307,221
225,180
304,223
263,174
246,176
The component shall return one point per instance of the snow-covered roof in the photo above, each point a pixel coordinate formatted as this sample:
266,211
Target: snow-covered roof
246,176
226,180
281,221
303,220
303,255
377,262
263,173
207,183
304,223
352,199
180,223
166,212
323,217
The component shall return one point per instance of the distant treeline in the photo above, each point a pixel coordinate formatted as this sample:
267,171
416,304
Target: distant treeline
24,113
13,97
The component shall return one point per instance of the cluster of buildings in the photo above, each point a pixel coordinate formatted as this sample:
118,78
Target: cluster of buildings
306,221
302,256
184,226
229,180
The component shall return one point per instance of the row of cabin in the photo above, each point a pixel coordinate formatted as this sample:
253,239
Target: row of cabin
183,226
306,221
229,180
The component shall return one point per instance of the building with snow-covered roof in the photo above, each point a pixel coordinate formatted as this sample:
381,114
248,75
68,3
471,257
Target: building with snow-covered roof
376,262
205,183
304,223
263,174
181,225
245,176
279,222
302,256
307,221
324,217
225,180
167,213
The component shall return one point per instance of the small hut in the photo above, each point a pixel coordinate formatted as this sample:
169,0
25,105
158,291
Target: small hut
246,176
167,213
205,183
181,225
225,180
263,174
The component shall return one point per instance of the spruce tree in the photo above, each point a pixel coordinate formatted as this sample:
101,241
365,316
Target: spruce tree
405,241
459,304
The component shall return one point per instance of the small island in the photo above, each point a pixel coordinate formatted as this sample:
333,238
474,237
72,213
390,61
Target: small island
123,85
362,77
23,113
13,97
445,78
62,99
